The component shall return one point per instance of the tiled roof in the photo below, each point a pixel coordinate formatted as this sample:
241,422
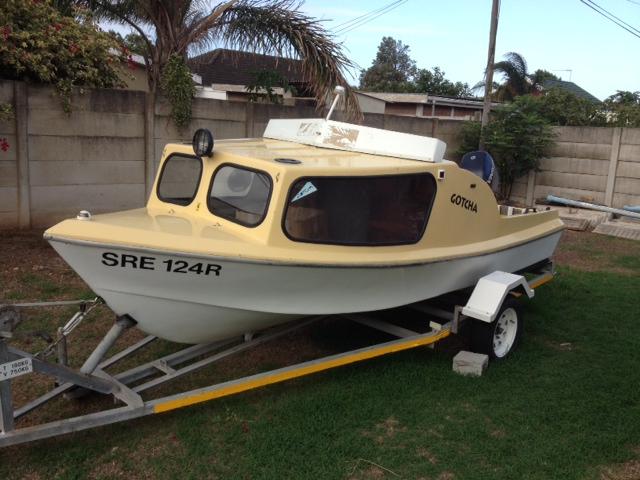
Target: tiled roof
222,66
571,88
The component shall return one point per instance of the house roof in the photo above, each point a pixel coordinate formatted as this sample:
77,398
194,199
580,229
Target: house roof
398,97
233,67
230,87
571,88
425,99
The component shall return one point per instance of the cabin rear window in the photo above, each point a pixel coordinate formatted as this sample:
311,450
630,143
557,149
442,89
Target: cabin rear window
179,179
385,210
240,195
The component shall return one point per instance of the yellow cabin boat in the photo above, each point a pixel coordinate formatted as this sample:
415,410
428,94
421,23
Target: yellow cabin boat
316,217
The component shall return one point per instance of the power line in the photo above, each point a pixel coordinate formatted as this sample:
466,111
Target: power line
373,18
633,1
595,7
612,15
346,24
367,19
357,21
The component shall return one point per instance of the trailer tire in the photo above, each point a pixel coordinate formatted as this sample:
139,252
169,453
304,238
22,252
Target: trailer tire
499,338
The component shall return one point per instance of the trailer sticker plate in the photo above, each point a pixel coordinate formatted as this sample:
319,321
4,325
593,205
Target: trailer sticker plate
16,368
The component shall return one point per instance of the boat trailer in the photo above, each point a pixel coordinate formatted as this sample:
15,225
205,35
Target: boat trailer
482,306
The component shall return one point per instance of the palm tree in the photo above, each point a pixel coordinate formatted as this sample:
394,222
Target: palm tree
265,26
516,78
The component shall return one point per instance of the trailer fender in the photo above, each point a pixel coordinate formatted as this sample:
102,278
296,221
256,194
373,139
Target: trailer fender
490,292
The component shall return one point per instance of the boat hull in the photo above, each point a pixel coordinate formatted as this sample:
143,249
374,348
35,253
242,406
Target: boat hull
195,299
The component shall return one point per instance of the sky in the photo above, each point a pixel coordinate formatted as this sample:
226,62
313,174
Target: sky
454,34
555,35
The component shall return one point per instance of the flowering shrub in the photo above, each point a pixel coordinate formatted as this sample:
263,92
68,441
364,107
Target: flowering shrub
6,115
39,44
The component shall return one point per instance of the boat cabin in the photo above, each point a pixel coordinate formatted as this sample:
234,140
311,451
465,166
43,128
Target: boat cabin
325,183
335,194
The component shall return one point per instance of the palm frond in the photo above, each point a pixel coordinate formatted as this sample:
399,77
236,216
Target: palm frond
518,61
516,77
278,28
125,12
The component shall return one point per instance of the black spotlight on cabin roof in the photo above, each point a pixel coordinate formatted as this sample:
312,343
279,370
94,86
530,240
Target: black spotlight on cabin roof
202,142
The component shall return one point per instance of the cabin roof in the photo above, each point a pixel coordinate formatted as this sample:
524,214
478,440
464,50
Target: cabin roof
326,133
267,150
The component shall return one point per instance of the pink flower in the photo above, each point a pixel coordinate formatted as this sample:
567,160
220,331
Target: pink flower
130,63
4,145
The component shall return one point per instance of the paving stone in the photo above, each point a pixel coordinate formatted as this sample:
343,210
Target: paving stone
579,218
469,363
619,228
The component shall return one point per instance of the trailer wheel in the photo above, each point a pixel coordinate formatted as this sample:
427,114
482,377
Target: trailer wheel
498,338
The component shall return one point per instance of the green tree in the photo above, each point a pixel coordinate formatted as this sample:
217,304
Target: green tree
517,138
623,109
540,76
469,138
267,26
516,79
392,70
434,82
624,97
177,85
40,44
264,83
132,42
560,107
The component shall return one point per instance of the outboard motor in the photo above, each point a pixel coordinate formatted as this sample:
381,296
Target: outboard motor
481,164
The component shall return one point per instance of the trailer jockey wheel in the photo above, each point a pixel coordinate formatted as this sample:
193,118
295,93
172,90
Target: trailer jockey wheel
9,318
498,338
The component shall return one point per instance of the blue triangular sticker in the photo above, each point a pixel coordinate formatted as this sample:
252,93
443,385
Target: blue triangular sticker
308,189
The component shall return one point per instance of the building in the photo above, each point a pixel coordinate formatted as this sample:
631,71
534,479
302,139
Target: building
230,71
133,72
420,105
571,88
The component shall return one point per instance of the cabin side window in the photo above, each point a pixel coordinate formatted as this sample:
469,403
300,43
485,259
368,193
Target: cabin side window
384,210
179,179
240,195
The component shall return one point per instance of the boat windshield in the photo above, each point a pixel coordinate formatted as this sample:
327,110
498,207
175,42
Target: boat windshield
179,179
384,210
240,194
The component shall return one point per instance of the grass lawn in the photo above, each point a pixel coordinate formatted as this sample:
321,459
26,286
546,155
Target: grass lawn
565,405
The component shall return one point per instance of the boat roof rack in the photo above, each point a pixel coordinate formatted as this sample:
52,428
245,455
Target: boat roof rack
319,132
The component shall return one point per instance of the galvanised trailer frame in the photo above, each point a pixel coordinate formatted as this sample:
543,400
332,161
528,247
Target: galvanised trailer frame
483,305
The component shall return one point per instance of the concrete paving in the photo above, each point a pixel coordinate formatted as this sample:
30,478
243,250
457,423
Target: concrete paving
620,228
578,218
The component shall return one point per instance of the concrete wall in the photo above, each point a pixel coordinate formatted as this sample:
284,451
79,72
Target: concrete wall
135,76
8,164
103,156
409,109
369,104
592,164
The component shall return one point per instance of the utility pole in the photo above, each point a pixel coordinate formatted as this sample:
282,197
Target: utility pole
488,81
